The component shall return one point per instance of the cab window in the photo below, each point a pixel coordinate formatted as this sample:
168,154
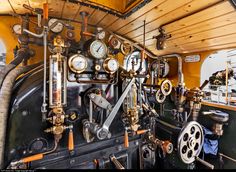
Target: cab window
220,70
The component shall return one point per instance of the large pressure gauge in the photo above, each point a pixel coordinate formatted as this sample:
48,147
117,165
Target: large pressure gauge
58,28
98,49
77,63
110,65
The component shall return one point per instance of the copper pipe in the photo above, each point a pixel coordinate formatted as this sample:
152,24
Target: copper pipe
45,11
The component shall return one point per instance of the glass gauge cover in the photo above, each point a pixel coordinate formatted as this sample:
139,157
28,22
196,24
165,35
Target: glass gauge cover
17,29
98,49
58,28
110,65
77,63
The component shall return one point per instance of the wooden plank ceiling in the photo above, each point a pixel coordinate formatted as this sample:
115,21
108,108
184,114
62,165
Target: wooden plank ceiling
195,25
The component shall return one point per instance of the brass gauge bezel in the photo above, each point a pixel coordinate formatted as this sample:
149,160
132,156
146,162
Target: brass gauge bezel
71,65
90,49
124,45
105,65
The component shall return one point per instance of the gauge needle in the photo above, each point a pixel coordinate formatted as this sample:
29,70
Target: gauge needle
99,48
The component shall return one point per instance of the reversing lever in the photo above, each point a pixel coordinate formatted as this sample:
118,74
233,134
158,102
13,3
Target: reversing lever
103,132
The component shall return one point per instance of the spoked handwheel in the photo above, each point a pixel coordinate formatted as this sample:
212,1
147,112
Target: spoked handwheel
166,87
190,142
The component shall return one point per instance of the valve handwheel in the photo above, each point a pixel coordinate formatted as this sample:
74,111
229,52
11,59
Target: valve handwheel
190,142
166,87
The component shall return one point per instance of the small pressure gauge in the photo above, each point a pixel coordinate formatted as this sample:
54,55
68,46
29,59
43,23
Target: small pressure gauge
113,42
17,29
100,33
98,49
58,28
110,65
126,48
77,63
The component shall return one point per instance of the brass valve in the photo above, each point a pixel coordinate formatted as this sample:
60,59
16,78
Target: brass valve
166,146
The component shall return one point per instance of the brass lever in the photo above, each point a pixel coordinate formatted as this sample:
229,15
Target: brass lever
71,141
126,141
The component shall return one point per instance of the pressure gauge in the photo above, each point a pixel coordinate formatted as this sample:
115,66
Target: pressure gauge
110,65
98,49
58,28
17,29
77,63
113,42
100,33
70,34
126,48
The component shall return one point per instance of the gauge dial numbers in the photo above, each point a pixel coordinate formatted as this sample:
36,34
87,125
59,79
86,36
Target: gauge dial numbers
17,29
98,49
58,28
110,65
77,63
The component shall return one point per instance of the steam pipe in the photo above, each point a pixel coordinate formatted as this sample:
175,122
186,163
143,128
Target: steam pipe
22,54
180,71
5,97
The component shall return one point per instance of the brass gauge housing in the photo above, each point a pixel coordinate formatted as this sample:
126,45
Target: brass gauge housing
97,49
110,65
77,63
126,48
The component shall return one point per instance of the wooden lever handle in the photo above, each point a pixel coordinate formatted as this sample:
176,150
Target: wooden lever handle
126,142
71,141
32,158
141,131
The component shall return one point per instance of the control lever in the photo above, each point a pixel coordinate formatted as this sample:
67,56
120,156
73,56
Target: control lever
207,164
38,11
116,163
71,140
103,132
126,141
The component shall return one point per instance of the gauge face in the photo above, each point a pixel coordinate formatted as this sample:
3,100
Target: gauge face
133,61
98,49
78,63
58,28
162,69
110,65
17,29
70,34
